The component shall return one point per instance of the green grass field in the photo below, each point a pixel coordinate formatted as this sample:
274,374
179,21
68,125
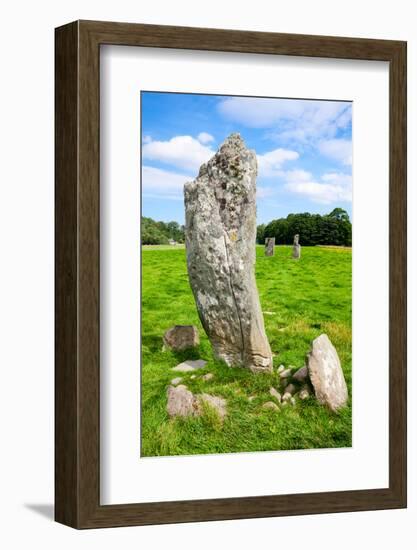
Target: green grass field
300,300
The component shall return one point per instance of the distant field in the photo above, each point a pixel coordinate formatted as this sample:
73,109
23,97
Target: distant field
300,300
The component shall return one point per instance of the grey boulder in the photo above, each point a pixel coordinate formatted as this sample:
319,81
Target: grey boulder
326,374
181,337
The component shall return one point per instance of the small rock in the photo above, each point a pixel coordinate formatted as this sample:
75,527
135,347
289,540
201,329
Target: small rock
217,403
208,376
292,401
181,337
251,398
285,373
176,381
290,388
281,368
269,405
181,402
193,376
304,393
190,365
275,394
286,397
301,375
326,374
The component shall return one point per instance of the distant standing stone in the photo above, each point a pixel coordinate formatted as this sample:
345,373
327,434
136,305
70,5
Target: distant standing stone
269,246
296,249
220,220
190,365
181,402
181,337
326,374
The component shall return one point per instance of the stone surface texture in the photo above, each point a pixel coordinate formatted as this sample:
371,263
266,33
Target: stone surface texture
269,246
296,249
326,374
190,365
220,209
181,337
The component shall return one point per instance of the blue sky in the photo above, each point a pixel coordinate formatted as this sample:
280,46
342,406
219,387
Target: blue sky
304,150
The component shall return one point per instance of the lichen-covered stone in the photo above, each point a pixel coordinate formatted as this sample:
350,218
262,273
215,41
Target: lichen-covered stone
326,374
220,209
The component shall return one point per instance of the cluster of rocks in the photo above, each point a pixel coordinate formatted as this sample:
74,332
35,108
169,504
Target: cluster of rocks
321,377
181,401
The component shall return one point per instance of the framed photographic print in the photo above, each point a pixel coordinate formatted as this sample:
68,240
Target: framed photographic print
230,274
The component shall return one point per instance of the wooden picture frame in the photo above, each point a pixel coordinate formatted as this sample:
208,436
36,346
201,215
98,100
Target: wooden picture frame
77,374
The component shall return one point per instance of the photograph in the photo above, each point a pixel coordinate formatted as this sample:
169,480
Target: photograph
246,274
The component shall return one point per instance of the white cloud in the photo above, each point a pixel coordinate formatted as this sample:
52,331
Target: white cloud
183,152
204,137
297,175
163,183
332,188
290,119
337,149
146,139
270,164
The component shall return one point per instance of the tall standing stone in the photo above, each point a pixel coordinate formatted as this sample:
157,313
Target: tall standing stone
220,210
269,246
296,249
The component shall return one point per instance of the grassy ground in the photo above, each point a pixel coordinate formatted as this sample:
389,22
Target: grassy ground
300,300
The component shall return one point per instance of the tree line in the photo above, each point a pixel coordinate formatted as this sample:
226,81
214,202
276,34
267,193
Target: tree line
330,229
161,232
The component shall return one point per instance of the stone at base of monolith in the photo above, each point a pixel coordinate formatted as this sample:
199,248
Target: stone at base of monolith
220,214
326,374
269,246
181,337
